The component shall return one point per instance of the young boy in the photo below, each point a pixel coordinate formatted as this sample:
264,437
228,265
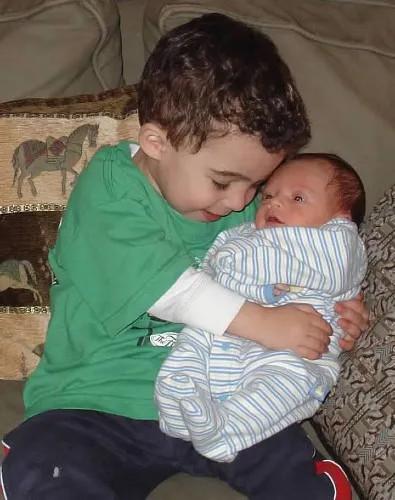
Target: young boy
218,111
226,394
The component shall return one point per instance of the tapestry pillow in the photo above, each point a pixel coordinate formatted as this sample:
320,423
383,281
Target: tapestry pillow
357,419
44,145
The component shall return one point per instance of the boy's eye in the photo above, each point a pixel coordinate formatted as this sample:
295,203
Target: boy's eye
220,185
298,198
266,196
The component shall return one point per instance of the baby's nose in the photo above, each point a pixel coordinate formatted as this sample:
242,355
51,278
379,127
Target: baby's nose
275,201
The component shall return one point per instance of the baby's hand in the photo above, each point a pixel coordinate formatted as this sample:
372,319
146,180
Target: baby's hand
280,289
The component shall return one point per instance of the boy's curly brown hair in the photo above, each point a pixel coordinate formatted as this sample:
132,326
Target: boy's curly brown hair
213,75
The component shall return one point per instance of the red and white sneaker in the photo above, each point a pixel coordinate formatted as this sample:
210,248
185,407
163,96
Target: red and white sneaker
338,478
6,449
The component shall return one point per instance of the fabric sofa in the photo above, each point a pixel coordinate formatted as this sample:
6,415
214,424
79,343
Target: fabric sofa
343,58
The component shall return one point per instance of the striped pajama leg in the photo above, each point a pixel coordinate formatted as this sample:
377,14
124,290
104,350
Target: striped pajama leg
184,374
269,391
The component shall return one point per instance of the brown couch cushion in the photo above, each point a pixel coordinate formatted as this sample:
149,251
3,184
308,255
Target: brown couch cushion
342,54
44,146
357,420
50,48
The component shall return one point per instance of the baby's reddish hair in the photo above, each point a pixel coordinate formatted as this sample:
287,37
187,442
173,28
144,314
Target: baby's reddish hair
346,182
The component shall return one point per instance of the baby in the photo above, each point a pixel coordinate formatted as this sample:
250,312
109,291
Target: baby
226,394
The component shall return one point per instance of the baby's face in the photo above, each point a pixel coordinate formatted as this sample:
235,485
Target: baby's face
297,194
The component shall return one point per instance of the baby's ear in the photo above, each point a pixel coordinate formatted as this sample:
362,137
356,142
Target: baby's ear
152,140
345,215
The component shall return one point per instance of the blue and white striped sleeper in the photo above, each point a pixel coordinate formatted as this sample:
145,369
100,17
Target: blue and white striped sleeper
226,394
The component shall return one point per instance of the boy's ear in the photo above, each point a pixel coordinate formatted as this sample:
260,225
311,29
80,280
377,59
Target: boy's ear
152,140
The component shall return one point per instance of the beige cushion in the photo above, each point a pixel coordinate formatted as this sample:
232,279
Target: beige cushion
34,135
50,48
342,55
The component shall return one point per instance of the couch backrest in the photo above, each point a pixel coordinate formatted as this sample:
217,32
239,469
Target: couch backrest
58,48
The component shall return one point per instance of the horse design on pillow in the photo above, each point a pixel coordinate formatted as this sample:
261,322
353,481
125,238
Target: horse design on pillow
33,157
19,274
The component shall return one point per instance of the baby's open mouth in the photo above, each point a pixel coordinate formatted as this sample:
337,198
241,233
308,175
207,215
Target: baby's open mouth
274,220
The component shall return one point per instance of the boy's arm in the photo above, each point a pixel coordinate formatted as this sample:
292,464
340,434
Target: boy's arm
198,301
295,327
195,299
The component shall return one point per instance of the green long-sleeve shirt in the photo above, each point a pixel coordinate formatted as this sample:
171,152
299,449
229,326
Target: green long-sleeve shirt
120,247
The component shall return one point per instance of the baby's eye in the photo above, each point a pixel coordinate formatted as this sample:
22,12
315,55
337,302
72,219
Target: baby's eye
266,196
298,198
220,185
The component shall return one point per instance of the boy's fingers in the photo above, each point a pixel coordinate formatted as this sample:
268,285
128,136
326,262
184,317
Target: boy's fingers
307,308
347,343
317,320
354,321
350,329
353,310
306,352
317,339
323,326
320,329
319,345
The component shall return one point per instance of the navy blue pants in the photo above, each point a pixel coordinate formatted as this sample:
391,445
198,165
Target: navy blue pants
83,455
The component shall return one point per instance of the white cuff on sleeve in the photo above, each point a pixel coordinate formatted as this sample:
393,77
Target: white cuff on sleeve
197,300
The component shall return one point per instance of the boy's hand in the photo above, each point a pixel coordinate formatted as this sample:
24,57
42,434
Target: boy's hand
295,327
354,319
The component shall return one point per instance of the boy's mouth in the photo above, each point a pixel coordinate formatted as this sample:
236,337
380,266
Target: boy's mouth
210,217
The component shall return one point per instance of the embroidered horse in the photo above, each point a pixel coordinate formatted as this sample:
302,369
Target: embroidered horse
19,274
33,157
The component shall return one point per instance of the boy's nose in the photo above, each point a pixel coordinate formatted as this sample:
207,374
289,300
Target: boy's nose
236,201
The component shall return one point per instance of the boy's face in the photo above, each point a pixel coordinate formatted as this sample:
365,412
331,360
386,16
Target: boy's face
297,194
223,176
